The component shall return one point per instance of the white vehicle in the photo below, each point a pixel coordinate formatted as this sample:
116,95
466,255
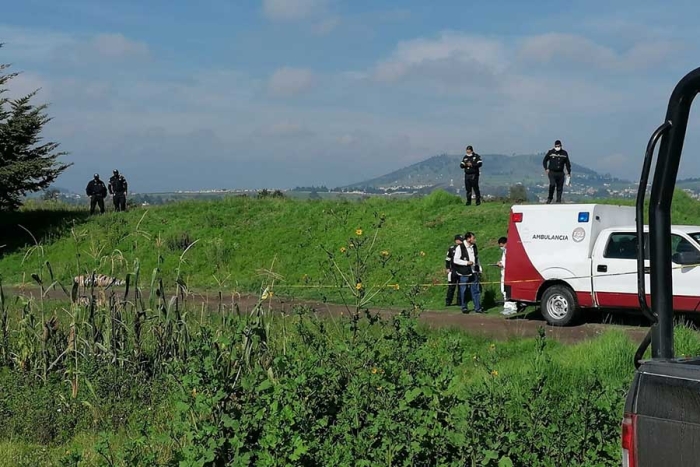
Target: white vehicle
572,257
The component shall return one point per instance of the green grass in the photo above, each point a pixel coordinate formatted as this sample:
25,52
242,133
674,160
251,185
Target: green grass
236,238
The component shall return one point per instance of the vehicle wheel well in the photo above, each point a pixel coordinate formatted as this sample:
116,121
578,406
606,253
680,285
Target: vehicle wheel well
550,283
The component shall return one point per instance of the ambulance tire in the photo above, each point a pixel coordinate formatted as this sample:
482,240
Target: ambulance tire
559,306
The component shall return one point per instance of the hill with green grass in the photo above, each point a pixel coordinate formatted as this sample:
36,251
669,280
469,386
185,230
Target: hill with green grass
497,170
309,248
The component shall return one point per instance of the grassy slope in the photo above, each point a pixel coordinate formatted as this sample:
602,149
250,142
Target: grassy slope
237,237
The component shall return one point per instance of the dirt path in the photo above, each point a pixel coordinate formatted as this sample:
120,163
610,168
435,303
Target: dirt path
491,325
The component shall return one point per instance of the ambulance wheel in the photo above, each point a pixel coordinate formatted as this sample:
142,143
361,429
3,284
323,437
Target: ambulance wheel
559,306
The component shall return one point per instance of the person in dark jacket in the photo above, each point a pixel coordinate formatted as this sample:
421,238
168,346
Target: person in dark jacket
468,268
97,191
452,277
471,163
118,188
554,163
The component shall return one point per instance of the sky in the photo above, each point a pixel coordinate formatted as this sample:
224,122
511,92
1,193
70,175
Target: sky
282,93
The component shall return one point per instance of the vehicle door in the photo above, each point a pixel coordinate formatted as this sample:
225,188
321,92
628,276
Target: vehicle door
615,270
686,274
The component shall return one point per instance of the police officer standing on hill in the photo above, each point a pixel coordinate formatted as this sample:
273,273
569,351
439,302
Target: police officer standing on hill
97,191
471,163
452,277
118,189
554,163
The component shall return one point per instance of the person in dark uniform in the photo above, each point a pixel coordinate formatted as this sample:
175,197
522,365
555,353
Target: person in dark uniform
471,163
554,163
452,277
118,188
97,191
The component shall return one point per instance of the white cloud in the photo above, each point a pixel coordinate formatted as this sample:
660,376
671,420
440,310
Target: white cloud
326,26
291,10
24,44
574,49
284,129
286,82
450,57
30,44
25,83
116,46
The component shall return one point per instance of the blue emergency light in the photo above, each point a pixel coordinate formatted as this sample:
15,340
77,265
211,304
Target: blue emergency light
583,216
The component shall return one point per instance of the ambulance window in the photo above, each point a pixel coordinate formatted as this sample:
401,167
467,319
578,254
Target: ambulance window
621,245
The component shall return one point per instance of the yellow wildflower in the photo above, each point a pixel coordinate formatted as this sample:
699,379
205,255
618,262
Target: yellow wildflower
396,286
494,373
422,253
342,249
492,347
358,286
384,253
374,371
358,232
194,392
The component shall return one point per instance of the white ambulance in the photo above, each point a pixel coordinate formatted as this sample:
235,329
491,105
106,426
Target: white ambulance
572,257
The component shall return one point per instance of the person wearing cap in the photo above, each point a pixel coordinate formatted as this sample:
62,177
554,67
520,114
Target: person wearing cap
509,308
451,275
554,163
118,188
471,163
97,191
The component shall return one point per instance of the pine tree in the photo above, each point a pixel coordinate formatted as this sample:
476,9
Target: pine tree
26,165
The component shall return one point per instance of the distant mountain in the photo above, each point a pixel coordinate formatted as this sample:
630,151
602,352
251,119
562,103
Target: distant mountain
497,170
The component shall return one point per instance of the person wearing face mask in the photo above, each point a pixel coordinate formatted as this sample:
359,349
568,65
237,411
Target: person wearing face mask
554,163
471,163
509,308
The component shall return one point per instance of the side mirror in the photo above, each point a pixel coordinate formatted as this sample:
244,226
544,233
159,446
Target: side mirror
687,258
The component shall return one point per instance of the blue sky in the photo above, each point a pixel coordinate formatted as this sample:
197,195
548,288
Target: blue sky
279,93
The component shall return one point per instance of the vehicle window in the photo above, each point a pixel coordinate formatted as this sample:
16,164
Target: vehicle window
680,245
695,236
621,245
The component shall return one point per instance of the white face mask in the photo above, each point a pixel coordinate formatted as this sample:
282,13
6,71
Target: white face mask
557,148
503,248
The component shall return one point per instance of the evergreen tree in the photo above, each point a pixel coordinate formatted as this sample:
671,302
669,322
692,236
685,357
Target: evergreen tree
26,165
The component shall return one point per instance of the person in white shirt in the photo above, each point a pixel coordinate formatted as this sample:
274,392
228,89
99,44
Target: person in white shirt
467,267
509,308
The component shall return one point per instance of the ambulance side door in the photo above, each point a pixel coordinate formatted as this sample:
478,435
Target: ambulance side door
615,270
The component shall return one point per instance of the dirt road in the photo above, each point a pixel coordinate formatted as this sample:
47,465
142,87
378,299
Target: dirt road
490,325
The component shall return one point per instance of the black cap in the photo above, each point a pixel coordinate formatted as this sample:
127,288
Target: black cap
115,171
557,142
469,147
96,176
459,237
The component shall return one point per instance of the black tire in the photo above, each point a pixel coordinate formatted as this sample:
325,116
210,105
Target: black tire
559,305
